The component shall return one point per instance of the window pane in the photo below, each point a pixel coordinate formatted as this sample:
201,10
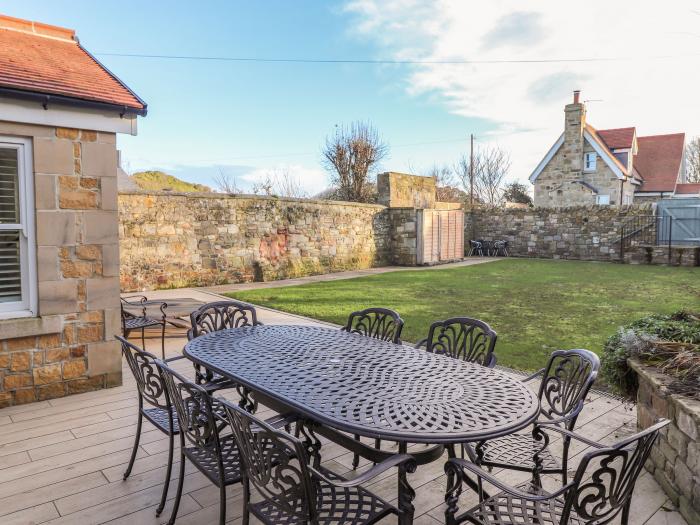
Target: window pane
9,187
10,273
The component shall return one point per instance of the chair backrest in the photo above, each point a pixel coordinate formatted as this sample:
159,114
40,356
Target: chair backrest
378,323
604,481
219,315
463,338
194,410
149,380
567,378
275,463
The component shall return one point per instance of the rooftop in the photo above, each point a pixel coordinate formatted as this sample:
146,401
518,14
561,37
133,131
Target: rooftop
42,60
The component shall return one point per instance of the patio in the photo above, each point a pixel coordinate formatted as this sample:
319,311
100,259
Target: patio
61,461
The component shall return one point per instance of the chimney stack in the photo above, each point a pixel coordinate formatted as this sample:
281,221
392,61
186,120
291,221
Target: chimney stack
576,96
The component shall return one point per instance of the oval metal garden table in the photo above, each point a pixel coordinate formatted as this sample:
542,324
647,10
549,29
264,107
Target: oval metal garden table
346,382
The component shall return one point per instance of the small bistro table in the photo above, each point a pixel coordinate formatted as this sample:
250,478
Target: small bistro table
340,382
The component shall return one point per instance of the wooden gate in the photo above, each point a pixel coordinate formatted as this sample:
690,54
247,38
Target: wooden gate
440,236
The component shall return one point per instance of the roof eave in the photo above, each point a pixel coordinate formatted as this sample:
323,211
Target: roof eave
45,99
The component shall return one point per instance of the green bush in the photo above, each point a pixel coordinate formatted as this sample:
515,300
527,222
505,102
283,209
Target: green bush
638,339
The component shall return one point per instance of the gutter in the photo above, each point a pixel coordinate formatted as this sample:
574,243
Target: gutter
45,99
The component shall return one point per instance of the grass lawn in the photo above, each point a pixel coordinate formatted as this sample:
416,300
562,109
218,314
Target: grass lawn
536,306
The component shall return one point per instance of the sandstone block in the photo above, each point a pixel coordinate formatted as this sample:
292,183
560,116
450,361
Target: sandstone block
102,293
47,263
55,228
67,133
104,358
99,159
53,156
74,369
101,227
47,374
21,361
56,297
14,381
45,192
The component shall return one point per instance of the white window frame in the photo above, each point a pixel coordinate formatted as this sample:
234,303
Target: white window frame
27,307
627,200
602,200
587,166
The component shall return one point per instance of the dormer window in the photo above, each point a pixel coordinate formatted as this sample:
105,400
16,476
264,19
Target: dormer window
589,161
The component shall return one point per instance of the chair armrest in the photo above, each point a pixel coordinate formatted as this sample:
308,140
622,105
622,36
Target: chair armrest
552,426
376,470
423,343
141,299
175,358
564,419
533,376
460,465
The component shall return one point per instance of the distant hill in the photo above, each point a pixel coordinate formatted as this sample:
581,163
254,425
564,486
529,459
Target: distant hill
158,180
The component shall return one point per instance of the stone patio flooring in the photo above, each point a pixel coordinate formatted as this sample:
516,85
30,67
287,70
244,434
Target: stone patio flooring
61,461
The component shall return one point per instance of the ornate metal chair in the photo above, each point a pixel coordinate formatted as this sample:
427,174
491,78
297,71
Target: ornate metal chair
212,317
131,321
600,490
566,380
203,440
475,248
154,405
277,465
379,323
463,338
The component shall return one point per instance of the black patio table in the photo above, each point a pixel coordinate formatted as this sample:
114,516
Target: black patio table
340,382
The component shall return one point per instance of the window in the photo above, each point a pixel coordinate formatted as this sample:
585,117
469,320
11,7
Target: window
602,199
17,250
627,199
589,161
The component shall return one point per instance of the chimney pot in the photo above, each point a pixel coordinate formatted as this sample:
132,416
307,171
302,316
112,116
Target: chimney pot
576,96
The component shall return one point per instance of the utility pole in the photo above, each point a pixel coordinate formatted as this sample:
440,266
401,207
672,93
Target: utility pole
471,170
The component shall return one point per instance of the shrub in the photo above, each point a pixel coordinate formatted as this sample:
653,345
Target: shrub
671,342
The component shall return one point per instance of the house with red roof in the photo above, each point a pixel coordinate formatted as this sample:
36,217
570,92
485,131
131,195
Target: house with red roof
609,166
60,113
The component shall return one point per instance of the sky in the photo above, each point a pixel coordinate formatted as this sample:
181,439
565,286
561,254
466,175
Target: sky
637,63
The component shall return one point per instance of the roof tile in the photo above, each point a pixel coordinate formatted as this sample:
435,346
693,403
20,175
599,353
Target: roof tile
658,161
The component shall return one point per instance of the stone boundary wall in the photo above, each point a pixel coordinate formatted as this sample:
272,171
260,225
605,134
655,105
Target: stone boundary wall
585,232
675,458
170,240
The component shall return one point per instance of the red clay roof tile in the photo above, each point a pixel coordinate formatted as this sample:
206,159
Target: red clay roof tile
658,161
688,188
618,138
47,59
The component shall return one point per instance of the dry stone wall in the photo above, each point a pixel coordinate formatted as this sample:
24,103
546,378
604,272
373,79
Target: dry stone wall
170,240
585,233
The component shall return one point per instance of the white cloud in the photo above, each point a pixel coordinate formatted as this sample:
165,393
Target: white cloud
310,180
524,102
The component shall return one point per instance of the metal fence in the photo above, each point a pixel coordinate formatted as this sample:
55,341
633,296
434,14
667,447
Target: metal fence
659,230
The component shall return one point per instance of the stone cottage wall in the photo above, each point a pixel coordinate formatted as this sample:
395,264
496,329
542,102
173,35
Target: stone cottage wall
69,347
585,233
175,239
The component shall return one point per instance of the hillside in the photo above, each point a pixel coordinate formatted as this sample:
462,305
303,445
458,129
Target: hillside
158,180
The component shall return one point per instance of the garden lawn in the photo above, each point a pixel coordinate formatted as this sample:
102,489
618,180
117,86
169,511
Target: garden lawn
536,306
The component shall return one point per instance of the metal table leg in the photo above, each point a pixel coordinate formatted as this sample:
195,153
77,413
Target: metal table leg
406,493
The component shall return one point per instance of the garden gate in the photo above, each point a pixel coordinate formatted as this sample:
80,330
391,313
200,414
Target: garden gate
440,236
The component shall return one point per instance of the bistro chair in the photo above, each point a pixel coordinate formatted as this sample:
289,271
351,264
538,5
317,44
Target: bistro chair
500,248
462,338
600,491
566,380
204,439
212,317
378,323
131,321
475,248
291,490
154,405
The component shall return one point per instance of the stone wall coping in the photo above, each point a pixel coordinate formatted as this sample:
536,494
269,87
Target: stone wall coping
247,196
31,326
618,210
660,381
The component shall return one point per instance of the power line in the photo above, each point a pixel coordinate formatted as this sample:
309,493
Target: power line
396,62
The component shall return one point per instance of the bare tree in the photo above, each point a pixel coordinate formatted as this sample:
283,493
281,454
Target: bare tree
226,183
280,182
350,155
692,159
446,189
491,166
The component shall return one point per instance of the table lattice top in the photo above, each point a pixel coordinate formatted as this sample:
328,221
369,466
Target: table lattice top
366,386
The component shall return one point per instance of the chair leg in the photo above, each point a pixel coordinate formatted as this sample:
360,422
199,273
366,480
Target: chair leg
136,444
167,476
356,456
180,481
377,445
246,501
222,504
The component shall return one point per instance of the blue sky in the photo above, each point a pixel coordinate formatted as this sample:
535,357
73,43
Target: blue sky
248,118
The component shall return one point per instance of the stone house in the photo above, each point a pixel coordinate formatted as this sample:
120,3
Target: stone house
609,167
60,111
